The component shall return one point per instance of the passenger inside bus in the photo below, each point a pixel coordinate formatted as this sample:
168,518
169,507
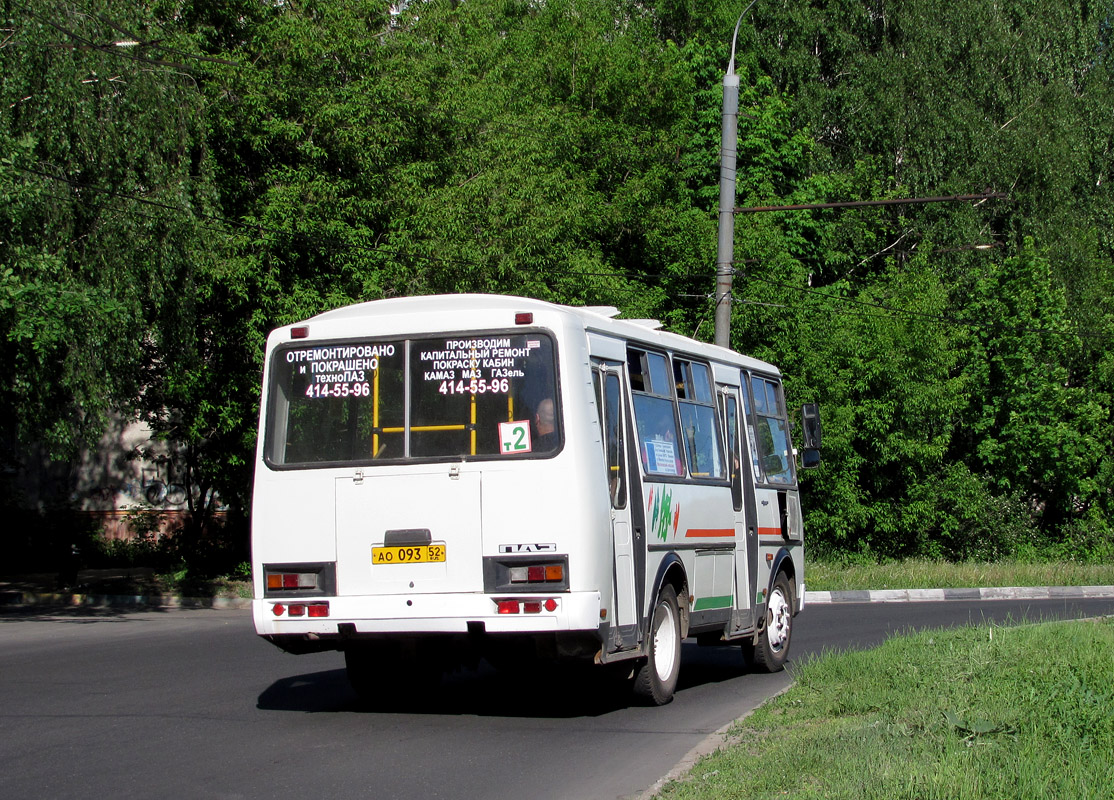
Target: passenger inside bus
545,427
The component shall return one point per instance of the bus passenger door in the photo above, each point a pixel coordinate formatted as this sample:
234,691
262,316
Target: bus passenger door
613,424
746,521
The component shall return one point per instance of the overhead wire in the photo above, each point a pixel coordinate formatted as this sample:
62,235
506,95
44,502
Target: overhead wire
900,313
404,256
120,48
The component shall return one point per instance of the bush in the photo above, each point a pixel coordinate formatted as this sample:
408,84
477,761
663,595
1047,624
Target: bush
219,550
957,516
962,519
1087,541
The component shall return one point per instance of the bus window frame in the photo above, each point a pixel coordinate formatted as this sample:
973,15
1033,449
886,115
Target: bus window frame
685,366
275,395
636,346
731,410
655,393
602,373
751,415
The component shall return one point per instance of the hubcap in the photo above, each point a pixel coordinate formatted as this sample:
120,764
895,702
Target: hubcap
777,621
665,642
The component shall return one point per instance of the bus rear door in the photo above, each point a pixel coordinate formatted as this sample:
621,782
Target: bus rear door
412,533
613,424
746,518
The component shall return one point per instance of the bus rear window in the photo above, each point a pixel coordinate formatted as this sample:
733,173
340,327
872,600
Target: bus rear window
447,397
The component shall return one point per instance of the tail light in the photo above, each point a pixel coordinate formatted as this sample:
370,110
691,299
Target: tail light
301,609
518,573
537,573
526,606
291,580
299,579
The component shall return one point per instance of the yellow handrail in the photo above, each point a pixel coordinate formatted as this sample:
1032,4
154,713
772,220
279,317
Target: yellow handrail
422,428
473,418
375,413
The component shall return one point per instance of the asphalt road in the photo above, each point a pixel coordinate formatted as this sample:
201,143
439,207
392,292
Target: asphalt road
190,704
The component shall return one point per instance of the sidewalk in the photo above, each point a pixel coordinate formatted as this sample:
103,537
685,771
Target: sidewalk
132,588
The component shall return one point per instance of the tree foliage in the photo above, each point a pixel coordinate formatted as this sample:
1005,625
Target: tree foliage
101,188
179,177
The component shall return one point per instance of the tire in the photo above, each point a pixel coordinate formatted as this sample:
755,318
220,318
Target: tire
360,667
656,679
772,648
385,678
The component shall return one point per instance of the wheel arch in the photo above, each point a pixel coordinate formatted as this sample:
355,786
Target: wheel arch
783,562
671,571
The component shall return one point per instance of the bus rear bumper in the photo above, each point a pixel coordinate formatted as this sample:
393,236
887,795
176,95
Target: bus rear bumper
428,614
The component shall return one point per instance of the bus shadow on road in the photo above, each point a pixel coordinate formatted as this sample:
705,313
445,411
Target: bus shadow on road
543,691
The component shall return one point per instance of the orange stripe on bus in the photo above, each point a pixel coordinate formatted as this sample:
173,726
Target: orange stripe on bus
705,532
770,532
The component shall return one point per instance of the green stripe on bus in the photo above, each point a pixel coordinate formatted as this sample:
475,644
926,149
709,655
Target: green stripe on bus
704,603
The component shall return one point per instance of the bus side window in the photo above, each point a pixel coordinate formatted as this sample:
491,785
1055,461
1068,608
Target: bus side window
698,418
752,438
771,431
731,412
608,399
637,372
616,468
659,439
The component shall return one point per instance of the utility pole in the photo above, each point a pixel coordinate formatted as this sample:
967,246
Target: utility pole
728,146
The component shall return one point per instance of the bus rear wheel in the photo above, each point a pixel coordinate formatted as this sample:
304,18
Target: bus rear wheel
656,679
772,648
361,667
385,676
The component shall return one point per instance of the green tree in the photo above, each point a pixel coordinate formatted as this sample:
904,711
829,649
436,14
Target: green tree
1030,425
180,177
100,190
908,99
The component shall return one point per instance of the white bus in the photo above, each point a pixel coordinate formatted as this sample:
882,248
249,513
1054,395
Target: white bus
441,479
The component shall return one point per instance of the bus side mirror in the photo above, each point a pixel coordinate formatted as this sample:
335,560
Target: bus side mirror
810,424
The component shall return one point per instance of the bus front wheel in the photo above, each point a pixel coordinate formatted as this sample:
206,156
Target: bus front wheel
772,647
656,679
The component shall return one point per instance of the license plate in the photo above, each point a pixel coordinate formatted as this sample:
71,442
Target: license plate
408,554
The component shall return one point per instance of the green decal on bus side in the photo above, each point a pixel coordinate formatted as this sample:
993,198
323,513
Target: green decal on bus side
663,514
704,603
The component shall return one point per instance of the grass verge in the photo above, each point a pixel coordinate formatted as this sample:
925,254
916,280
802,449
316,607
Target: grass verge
964,714
830,576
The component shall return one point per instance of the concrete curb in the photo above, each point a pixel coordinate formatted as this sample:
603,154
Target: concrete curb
21,598
63,599
937,595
